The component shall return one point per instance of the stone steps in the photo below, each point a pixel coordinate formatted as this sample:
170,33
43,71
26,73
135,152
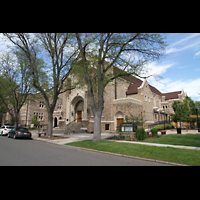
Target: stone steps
74,127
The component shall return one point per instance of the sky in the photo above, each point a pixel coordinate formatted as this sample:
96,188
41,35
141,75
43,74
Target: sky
180,65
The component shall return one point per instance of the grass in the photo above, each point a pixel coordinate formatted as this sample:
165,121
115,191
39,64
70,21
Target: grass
177,139
183,156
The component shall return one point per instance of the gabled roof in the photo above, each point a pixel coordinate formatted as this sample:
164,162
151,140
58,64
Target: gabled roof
171,95
133,88
136,83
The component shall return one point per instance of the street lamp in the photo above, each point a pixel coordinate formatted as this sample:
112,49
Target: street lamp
164,116
197,119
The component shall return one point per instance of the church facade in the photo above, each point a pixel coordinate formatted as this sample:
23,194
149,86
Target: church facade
122,96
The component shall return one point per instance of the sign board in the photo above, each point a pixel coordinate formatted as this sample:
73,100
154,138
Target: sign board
127,127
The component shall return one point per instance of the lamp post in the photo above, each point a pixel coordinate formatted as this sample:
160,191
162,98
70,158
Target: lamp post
197,119
164,116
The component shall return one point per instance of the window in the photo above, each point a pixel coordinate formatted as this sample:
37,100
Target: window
41,105
40,115
59,106
107,126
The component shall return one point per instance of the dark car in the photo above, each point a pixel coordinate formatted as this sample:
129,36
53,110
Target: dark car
19,133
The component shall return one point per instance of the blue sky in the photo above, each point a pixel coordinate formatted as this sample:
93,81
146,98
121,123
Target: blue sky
180,66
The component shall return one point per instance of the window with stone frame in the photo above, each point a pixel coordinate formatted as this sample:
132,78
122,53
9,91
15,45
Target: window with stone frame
41,105
40,115
59,106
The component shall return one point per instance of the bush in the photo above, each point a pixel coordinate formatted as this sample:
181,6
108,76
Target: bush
140,134
154,132
161,127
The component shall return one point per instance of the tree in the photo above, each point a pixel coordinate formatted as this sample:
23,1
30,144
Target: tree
138,120
197,105
59,52
128,52
35,121
15,83
183,110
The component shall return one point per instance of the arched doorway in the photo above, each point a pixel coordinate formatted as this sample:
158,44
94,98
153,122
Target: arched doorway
119,118
55,122
79,110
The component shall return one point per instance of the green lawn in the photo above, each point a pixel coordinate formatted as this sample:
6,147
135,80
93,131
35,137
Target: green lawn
183,156
177,139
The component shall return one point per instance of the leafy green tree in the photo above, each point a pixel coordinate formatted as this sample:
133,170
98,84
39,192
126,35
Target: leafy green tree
35,120
183,110
15,83
197,105
59,52
138,120
128,52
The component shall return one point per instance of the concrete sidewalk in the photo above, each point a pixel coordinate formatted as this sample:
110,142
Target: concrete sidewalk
159,145
69,137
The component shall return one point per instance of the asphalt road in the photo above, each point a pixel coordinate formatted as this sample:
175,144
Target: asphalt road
37,153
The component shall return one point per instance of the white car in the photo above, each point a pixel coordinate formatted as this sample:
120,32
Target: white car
5,129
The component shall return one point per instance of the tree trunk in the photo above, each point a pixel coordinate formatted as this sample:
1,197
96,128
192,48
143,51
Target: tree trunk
16,122
50,124
97,127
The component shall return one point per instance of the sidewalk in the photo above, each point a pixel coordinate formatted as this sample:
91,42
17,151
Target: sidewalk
160,145
69,137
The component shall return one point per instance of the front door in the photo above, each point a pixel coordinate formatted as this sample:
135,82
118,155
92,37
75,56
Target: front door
55,122
79,116
119,121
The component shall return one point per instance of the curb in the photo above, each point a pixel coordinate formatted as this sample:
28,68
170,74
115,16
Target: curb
115,154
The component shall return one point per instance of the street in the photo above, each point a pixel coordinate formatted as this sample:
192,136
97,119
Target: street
37,153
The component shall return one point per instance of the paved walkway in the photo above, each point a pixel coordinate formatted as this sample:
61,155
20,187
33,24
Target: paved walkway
70,137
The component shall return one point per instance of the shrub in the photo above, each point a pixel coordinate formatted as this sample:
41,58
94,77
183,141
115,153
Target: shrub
154,132
140,134
161,127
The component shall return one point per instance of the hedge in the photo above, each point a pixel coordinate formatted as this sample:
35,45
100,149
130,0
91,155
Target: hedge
161,127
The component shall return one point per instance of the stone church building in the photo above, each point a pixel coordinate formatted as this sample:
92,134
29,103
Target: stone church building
122,97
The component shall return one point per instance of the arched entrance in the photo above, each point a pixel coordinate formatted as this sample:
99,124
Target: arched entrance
119,118
55,122
77,109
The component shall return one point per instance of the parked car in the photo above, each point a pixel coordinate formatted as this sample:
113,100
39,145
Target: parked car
5,129
19,133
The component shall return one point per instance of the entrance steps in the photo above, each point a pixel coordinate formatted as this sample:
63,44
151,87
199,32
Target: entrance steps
74,127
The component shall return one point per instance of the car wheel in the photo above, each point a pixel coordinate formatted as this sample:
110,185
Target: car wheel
8,136
14,137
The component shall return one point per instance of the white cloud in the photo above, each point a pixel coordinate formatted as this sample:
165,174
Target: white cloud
183,44
197,53
156,69
191,87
